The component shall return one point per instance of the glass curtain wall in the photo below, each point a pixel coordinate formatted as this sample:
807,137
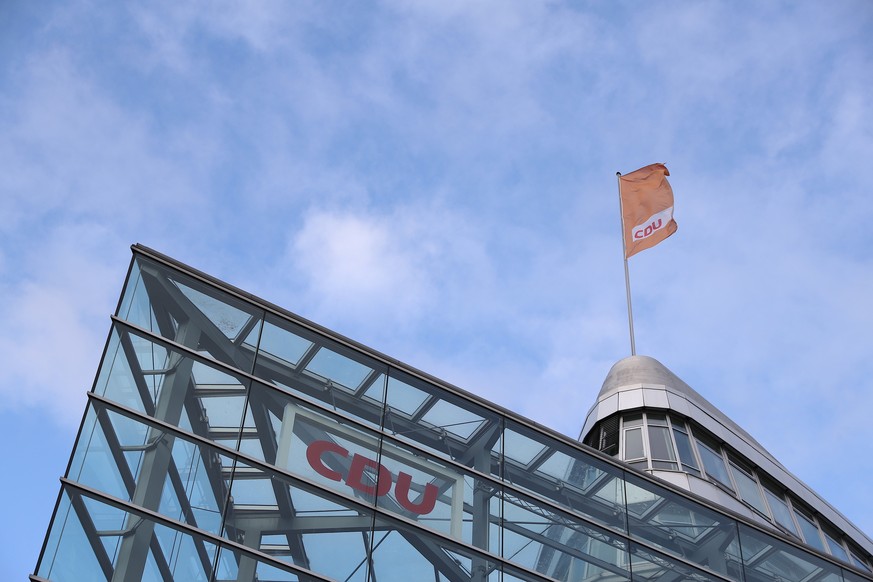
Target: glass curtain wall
226,439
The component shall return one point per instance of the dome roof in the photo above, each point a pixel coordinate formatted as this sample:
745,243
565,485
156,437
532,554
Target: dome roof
635,372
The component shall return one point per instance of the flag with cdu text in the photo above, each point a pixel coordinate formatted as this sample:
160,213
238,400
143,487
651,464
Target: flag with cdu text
646,208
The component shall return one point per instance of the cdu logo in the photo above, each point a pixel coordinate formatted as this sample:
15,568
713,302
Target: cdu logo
360,466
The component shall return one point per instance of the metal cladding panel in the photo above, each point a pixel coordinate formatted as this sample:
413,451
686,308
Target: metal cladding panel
630,399
607,407
655,398
679,404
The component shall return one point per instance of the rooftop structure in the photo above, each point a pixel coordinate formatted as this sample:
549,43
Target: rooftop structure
647,416
226,438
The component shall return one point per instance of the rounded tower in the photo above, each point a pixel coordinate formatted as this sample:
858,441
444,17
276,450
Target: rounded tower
648,417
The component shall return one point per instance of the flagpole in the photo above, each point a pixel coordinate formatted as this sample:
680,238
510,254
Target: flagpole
630,313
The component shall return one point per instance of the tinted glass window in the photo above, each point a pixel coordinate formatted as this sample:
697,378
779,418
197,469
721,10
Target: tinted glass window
714,465
810,531
781,513
749,491
683,443
633,444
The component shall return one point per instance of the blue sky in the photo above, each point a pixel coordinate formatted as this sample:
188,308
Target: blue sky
436,179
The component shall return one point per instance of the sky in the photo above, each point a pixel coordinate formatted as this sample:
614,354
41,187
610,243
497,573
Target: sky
436,179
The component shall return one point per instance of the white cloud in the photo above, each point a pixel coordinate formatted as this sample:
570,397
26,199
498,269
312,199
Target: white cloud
388,268
56,319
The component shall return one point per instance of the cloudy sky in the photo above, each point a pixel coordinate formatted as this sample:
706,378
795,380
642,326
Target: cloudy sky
436,179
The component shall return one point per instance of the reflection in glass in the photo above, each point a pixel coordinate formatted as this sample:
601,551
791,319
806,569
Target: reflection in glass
296,523
767,559
810,531
400,553
138,463
189,312
653,566
633,444
280,341
781,512
681,527
686,455
97,538
543,539
748,489
713,463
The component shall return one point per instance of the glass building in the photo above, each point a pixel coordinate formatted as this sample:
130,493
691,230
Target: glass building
228,439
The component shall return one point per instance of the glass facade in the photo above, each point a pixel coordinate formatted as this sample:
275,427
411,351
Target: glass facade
722,467
226,439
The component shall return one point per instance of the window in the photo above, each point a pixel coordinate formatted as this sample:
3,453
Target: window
836,548
683,444
748,488
605,436
661,445
634,447
859,562
810,530
713,463
781,511
633,444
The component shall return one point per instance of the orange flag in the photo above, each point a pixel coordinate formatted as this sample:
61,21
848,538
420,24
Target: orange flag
646,208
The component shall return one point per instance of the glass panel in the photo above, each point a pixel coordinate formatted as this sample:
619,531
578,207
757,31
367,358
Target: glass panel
443,423
402,553
439,496
459,421
173,387
681,527
519,448
852,577
857,561
810,531
338,369
654,566
322,371
404,398
540,538
71,553
633,444
282,344
836,548
781,512
298,523
143,464
236,565
98,537
713,463
190,312
686,455
749,491
570,478
662,445
767,559
280,430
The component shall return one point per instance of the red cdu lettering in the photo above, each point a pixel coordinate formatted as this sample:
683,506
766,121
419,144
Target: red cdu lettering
314,454
645,232
371,478
428,499
356,476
